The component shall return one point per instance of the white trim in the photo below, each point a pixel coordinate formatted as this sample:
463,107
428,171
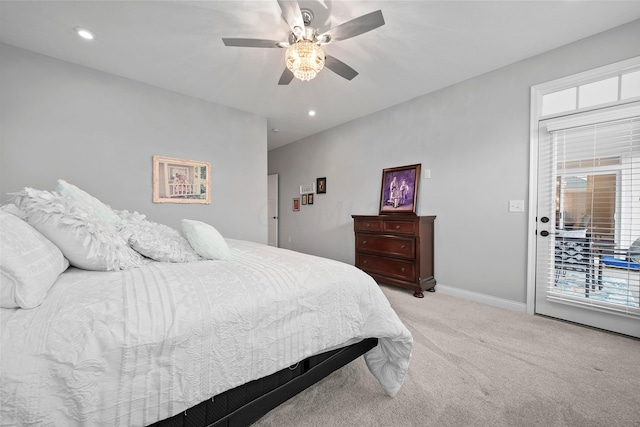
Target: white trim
610,114
482,298
589,76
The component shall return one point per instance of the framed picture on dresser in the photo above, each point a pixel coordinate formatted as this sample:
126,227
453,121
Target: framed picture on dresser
399,191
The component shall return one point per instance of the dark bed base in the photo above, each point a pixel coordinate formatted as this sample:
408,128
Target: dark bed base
247,403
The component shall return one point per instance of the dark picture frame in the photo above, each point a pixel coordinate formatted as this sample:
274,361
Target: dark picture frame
321,185
310,200
304,199
296,204
399,191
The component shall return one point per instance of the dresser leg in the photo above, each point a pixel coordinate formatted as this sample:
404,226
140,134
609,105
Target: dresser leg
418,294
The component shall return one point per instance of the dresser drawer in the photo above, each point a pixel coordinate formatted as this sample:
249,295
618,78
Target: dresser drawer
399,227
386,245
373,225
389,267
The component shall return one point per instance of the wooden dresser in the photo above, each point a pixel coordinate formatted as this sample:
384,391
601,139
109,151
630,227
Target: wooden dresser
396,250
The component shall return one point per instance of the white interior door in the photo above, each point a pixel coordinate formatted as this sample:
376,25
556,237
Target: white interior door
588,209
272,210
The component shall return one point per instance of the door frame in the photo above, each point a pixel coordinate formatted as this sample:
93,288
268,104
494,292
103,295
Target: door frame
272,213
537,92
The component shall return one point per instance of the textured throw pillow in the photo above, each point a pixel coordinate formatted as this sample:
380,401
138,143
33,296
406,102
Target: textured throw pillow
205,239
29,265
156,241
85,240
95,206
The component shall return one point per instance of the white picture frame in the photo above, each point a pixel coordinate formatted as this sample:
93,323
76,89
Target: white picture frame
308,188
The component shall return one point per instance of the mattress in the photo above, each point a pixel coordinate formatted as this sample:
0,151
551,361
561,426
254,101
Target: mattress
137,346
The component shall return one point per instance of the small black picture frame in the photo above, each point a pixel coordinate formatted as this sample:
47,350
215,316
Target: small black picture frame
310,199
321,185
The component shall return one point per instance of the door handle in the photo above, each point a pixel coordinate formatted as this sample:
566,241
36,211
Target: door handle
544,233
544,219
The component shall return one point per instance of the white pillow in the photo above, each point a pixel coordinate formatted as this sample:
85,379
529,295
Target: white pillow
85,240
13,209
155,241
205,239
95,206
29,266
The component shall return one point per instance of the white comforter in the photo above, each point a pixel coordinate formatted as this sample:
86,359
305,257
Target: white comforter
133,347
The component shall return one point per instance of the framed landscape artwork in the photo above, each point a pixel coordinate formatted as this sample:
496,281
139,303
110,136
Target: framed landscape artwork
181,181
399,191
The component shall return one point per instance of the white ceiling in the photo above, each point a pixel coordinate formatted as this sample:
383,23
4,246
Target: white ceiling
423,46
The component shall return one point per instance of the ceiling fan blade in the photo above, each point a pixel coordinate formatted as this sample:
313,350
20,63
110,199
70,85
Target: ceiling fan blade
291,13
286,77
356,26
339,67
250,42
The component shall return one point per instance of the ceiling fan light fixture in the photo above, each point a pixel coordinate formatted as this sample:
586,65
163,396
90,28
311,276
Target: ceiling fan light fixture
305,59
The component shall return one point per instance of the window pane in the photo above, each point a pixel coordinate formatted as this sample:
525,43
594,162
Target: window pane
630,85
557,102
598,92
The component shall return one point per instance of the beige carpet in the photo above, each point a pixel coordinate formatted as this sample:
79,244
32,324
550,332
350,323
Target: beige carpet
477,365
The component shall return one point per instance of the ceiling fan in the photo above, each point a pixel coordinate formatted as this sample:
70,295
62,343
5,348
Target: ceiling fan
304,56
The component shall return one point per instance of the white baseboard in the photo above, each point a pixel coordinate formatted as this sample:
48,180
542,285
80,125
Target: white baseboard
482,298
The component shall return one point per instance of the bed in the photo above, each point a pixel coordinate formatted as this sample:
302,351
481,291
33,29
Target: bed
205,342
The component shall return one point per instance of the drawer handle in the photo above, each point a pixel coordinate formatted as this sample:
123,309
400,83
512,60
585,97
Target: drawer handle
368,225
402,246
397,227
403,269
364,242
365,262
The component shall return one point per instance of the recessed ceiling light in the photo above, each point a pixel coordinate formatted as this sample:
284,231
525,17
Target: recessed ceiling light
84,33
275,130
312,113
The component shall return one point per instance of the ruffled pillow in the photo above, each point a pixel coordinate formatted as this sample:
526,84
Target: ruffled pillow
205,239
156,241
90,203
86,241
30,264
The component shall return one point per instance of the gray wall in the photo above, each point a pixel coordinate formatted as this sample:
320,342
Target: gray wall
99,132
473,136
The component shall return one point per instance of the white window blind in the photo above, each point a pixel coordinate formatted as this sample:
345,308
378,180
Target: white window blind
597,221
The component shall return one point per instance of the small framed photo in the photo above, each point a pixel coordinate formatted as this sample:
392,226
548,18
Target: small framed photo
321,185
399,191
304,199
296,204
181,181
311,199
